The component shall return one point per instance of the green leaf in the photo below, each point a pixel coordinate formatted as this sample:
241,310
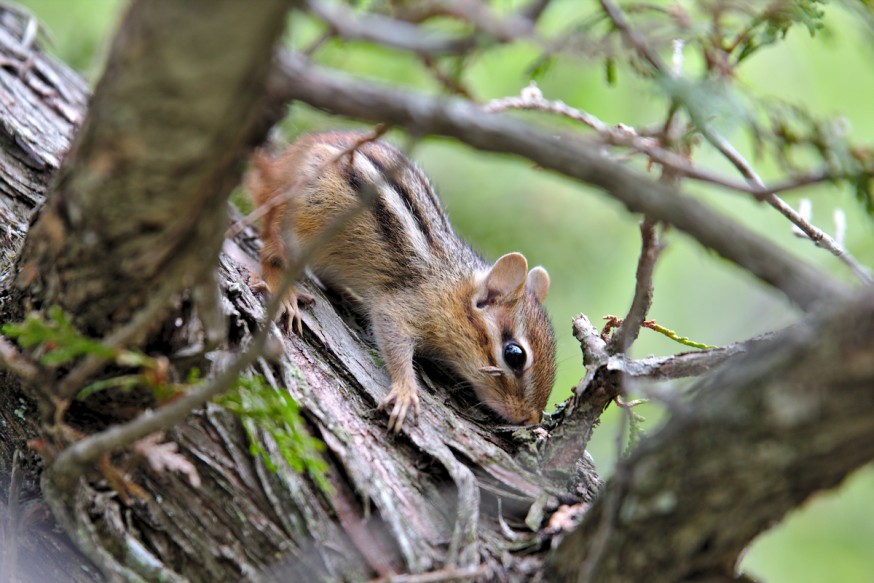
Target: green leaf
610,71
123,382
275,412
774,22
56,338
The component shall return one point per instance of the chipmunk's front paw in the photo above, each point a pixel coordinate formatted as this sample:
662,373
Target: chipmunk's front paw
405,398
289,313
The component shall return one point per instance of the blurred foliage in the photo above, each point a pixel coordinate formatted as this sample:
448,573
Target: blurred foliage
789,87
53,340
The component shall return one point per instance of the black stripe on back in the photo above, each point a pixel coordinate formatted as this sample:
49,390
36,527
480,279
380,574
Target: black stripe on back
410,203
396,245
391,231
353,177
398,168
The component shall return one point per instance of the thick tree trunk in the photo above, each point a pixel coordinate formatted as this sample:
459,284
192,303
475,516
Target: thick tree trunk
152,166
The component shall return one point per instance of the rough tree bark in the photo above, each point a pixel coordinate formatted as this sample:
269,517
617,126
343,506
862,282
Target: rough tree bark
128,242
127,227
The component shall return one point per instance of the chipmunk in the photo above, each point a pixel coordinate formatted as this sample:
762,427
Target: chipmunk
423,289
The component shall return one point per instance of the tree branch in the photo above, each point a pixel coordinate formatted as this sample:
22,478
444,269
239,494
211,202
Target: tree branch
623,136
815,234
799,406
819,238
387,31
640,304
802,283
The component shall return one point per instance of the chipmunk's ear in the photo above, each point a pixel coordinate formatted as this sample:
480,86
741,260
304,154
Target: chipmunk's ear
505,279
538,283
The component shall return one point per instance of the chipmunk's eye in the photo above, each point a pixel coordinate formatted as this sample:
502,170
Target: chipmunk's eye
514,356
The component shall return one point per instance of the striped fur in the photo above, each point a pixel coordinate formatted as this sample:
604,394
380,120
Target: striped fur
422,287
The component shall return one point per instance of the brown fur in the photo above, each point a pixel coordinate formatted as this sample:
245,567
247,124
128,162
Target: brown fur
423,289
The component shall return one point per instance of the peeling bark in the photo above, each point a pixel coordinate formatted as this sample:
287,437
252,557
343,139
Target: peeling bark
41,104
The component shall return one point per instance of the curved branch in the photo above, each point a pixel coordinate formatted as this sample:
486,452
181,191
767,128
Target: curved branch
787,420
801,282
642,301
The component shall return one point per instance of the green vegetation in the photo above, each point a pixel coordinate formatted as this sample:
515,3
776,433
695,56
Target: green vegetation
276,414
54,339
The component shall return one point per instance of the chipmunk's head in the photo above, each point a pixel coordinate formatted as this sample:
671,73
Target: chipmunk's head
515,343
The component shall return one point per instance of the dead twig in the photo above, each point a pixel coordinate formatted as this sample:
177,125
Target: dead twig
624,136
627,332
388,31
12,360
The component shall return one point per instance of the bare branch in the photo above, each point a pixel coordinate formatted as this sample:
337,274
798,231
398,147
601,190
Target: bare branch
387,31
624,136
640,305
812,379
801,282
12,360
510,28
594,354
819,237
631,36
473,572
685,364
594,347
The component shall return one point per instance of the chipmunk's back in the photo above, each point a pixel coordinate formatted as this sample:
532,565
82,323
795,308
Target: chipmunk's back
401,240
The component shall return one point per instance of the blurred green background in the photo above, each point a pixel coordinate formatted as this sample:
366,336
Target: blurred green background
589,244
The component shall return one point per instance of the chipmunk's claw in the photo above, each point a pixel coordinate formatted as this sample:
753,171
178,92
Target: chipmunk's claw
289,316
405,399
